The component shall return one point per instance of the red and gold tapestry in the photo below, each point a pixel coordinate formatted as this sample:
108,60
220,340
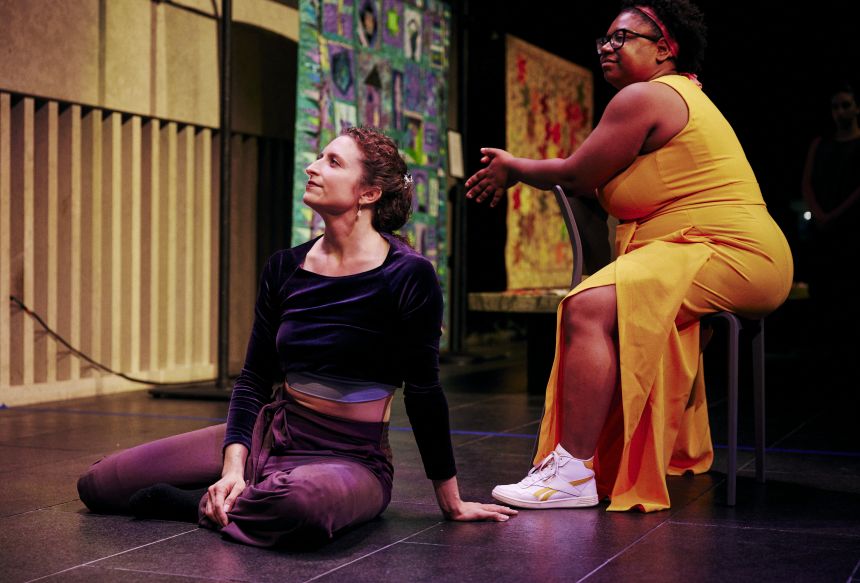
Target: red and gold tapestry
549,114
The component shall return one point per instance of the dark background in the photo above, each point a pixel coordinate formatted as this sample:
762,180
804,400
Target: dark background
769,69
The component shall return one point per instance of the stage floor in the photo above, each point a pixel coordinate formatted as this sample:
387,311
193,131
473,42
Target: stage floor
802,525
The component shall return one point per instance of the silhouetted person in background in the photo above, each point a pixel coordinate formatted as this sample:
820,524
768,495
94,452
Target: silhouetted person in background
831,189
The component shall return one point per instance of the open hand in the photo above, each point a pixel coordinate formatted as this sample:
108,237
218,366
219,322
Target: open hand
492,180
473,511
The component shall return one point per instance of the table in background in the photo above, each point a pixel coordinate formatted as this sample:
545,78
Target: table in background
538,307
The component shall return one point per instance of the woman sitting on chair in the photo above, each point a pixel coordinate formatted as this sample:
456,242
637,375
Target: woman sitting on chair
625,402
340,322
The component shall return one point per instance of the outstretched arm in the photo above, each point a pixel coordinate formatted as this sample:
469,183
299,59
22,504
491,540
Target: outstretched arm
631,117
421,320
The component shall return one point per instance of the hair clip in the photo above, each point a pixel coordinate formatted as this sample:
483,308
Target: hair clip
407,179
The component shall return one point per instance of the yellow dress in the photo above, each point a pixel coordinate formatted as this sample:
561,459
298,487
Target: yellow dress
695,237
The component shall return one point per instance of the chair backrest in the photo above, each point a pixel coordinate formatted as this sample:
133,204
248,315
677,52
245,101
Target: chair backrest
589,232
572,232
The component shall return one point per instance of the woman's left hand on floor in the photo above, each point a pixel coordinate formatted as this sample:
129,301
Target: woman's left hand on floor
472,511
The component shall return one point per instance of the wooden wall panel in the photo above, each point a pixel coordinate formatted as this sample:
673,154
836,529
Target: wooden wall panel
132,241
21,282
215,245
159,249
112,215
92,290
77,226
187,214
203,250
149,248
44,241
243,283
169,175
69,244
109,231
5,234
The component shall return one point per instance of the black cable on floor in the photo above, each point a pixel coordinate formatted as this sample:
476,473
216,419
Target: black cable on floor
80,354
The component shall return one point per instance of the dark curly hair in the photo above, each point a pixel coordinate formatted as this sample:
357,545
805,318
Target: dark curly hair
841,86
385,168
684,21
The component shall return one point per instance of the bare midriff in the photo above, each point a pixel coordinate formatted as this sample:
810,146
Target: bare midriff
373,411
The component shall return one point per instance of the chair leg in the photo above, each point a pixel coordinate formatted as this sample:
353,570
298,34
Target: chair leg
731,474
759,394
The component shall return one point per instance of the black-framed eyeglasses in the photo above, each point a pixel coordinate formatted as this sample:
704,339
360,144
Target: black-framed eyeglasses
617,38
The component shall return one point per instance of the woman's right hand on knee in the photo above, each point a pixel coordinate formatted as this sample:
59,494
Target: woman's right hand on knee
223,493
222,496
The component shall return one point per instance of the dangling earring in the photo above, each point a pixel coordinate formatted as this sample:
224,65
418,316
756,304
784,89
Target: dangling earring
358,214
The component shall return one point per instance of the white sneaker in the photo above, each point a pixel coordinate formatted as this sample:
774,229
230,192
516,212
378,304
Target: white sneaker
560,481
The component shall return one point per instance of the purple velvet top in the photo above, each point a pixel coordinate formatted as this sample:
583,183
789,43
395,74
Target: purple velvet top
379,326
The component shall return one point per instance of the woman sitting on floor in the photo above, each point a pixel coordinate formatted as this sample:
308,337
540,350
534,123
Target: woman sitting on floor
340,322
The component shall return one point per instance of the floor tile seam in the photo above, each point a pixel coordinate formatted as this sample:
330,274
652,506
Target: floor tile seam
222,419
477,547
796,429
750,462
150,572
365,556
503,433
47,508
827,473
478,402
31,468
195,529
805,531
497,364
122,414
621,552
413,503
461,378
482,434
473,441
676,509
794,451
488,548
36,447
63,449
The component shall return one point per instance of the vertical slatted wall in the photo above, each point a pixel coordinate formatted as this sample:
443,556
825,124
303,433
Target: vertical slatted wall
109,231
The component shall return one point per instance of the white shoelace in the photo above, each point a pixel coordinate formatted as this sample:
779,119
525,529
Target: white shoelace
547,469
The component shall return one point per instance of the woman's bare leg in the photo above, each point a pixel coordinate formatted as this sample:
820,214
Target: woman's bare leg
591,368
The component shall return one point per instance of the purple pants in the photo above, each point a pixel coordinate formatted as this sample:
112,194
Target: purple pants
308,475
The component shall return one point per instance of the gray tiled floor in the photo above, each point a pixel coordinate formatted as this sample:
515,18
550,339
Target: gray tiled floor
803,525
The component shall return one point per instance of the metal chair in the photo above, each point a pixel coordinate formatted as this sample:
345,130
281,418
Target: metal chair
734,326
